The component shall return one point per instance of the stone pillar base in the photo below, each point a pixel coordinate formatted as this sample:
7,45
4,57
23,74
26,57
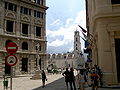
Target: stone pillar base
37,75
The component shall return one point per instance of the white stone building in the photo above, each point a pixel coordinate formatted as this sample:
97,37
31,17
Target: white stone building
69,59
23,22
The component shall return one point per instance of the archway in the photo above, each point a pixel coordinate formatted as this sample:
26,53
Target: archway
25,64
117,50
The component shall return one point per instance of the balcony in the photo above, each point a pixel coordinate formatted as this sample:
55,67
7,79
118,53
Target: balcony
43,38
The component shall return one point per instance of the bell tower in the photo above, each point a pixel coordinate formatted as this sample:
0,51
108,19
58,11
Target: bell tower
77,44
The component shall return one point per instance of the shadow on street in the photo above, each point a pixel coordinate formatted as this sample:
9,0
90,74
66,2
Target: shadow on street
56,85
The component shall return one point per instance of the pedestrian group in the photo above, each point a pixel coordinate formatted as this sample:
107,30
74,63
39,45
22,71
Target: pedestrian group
85,77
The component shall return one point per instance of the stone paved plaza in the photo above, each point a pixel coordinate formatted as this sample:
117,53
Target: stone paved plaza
25,83
55,82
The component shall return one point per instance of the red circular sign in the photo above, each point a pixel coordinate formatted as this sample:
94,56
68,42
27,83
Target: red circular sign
11,60
11,47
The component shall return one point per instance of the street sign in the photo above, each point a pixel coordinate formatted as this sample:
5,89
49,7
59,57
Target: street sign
11,60
11,47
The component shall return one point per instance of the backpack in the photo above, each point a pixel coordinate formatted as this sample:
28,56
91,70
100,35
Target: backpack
94,77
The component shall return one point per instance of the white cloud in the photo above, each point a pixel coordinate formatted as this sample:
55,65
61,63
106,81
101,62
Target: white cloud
56,22
67,31
56,43
68,21
81,18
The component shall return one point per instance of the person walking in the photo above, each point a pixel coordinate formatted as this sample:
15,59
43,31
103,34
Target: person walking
66,75
44,78
99,72
82,79
95,79
72,79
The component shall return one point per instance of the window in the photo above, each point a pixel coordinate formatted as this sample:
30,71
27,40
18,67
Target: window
41,15
25,46
24,28
38,14
9,26
35,13
15,8
76,40
10,6
64,57
38,31
76,48
6,5
29,12
21,10
25,11
40,48
115,1
39,2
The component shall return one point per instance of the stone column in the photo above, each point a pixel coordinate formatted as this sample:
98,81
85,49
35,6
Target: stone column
104,53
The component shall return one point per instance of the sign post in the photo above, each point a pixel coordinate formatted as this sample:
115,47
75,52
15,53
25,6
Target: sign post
11,78
11,59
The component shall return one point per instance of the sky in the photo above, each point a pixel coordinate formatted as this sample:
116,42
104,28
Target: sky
62,19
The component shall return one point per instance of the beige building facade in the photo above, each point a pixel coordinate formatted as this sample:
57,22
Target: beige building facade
103,24
23,22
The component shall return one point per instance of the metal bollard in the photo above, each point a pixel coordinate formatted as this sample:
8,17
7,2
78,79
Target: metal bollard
5,82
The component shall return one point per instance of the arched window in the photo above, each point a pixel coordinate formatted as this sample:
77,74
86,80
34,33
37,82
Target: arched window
25,46
7,42
76,39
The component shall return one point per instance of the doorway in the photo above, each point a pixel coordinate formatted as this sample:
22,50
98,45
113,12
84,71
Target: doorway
40,63
25,64
117,50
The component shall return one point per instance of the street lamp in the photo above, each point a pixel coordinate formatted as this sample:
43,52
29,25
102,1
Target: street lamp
37,74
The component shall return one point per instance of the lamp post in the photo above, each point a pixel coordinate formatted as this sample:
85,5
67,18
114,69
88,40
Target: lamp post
66,63
37,74
38,57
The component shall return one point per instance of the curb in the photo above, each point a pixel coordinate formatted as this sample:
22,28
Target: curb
112,87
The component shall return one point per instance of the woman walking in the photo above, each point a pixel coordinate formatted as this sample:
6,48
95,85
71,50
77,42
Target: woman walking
82,79
44,78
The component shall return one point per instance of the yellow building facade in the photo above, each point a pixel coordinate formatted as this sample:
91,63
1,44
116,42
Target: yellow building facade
103,24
